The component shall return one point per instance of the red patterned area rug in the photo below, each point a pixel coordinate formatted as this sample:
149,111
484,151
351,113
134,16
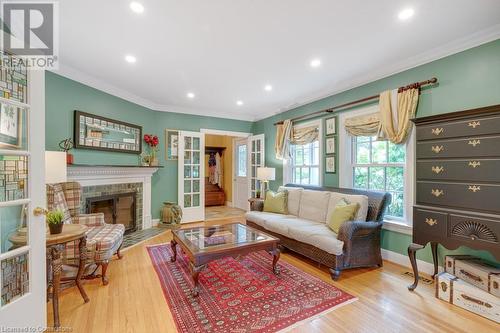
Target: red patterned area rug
243,295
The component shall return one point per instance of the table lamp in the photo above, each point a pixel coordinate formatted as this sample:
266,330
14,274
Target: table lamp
265,175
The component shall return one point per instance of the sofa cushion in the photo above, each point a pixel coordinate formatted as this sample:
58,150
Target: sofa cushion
314,205
362,200
276,202
260,218
318,235
294,194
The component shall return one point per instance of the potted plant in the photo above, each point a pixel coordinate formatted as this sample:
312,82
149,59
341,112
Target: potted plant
152,141
66,145
55,221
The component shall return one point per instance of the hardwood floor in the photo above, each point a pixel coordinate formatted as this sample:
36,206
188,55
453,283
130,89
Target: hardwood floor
133,301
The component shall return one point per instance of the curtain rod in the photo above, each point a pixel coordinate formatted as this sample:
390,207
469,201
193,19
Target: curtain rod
362,100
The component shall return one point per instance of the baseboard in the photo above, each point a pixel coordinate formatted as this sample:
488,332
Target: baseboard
155,222
403,260
229,204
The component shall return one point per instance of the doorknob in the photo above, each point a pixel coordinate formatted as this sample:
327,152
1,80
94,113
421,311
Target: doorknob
39,211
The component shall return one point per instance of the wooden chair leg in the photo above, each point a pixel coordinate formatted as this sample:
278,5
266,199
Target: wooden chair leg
104,268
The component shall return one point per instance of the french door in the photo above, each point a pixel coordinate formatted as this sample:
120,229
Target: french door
22,188
256,159
241,174
191,190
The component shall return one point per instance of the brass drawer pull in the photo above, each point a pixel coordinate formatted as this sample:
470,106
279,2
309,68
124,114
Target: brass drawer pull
437,193
474,143
474,188
471,276
474,164
437,169
474,124
437,149
431,222
437,130
475,300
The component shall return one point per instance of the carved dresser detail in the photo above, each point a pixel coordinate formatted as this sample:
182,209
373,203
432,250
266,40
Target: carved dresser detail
457,183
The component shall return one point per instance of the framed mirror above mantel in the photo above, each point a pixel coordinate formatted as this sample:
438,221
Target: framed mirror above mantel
101,133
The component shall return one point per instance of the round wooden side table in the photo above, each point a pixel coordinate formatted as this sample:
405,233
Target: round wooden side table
55,244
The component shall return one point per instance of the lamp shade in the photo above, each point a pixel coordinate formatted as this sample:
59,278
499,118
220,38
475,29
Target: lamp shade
55,167
266,174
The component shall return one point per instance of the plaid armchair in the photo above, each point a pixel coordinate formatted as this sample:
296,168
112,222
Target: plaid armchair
103,239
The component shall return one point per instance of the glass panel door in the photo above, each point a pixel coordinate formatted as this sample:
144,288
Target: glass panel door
22,188
191,173
256,159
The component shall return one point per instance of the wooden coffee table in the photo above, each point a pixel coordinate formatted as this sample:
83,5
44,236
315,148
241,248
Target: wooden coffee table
205,244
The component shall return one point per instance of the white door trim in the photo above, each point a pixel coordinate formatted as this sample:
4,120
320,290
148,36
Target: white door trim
223,132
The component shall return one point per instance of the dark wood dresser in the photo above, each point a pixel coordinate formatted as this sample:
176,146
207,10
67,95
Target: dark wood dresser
457,183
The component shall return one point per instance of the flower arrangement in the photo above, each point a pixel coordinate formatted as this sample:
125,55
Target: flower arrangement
152,141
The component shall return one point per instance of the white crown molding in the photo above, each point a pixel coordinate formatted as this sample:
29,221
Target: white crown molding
93,82
456,46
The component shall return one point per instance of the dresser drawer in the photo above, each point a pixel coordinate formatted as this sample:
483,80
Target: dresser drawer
487,170
474,230
470,147
430,222
458,128
461,195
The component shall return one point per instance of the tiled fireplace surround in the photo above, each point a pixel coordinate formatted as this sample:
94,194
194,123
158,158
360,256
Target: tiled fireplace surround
104,180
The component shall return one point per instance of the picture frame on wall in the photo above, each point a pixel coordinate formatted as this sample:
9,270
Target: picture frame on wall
330,164
10,126
172,144
331,126
330,145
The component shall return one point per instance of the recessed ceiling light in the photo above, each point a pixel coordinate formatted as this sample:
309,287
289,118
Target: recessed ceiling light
268,87
315,63
130,59
405,14
137,7
239,103
190,95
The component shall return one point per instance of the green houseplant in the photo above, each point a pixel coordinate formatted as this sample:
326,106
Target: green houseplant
55,221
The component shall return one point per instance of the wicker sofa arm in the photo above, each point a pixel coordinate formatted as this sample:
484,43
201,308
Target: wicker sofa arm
90,220
256,204
353,229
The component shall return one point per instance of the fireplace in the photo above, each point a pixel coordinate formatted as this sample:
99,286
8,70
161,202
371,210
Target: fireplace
119,208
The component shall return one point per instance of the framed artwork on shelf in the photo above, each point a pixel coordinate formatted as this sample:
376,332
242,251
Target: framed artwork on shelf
172,144
10,126
331,126
100,133
330,145
330,164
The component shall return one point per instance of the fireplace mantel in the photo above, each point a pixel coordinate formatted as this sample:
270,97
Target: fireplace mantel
91,175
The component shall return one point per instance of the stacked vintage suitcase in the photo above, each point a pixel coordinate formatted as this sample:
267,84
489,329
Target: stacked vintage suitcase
470,283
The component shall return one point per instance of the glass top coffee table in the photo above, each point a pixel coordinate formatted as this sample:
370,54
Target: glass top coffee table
204,244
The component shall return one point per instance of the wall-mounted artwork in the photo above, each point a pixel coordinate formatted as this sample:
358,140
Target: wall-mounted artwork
331,124
330,164
10,126
172,144
100,133
330,145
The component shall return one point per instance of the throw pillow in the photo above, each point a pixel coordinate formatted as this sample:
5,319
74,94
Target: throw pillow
276,202
343,212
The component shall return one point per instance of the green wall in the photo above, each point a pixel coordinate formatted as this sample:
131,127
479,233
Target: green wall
63,96
467,80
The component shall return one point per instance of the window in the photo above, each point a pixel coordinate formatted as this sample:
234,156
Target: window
242,161
304,163
380,165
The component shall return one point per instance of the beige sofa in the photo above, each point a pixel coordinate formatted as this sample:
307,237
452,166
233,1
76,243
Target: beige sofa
304,229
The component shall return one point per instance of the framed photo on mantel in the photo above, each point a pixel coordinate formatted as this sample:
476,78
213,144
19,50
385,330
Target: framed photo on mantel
100,133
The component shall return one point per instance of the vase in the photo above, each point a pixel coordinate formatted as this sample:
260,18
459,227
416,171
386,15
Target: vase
153,161
171,213
55,228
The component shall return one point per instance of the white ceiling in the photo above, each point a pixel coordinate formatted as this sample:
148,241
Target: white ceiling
227,50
